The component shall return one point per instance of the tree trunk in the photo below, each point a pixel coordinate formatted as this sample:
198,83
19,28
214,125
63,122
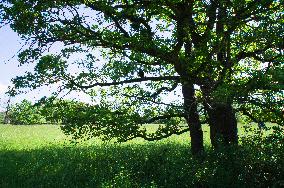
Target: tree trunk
223,124
192,118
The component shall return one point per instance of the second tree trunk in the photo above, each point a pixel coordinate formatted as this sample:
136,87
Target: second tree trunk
223,124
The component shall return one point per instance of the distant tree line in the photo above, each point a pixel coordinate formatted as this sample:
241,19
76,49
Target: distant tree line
45,111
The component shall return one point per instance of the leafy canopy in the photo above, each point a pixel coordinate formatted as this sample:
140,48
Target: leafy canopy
233,48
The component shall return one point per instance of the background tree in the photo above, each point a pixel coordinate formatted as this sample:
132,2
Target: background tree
231,49
25,113
6,106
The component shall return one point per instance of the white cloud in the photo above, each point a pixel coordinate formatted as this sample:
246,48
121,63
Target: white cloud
3,88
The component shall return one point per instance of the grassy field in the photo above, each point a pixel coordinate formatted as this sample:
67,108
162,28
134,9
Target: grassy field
42,156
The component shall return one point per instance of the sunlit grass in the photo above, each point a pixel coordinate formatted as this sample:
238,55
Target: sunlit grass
19,137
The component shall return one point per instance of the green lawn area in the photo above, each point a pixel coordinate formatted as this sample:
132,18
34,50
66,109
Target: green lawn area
19,137
42,156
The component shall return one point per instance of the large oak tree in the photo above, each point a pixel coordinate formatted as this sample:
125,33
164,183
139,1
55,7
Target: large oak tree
224,55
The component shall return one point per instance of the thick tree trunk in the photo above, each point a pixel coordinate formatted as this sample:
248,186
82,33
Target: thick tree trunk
223,124
192,119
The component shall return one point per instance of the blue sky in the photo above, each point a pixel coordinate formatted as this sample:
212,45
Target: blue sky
10,44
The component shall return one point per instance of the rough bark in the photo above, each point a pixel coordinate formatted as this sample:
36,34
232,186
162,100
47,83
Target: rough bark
192,118
223,124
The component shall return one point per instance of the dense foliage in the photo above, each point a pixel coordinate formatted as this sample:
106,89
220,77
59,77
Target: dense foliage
25,113
221,56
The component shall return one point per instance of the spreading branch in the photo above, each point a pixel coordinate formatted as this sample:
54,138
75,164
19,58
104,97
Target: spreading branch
135,80
160,137
162,117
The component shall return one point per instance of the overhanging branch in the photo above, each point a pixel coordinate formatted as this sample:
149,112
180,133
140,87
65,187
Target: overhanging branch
162,117
135,80
169,89
160,137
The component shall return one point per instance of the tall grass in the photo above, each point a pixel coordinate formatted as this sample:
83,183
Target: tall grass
41,156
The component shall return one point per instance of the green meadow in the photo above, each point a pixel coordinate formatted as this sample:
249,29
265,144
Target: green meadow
42,156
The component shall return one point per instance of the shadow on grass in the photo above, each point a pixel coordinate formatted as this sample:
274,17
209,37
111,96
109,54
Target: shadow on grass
147,165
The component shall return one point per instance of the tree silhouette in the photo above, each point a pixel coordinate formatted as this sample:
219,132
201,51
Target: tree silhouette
231,49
